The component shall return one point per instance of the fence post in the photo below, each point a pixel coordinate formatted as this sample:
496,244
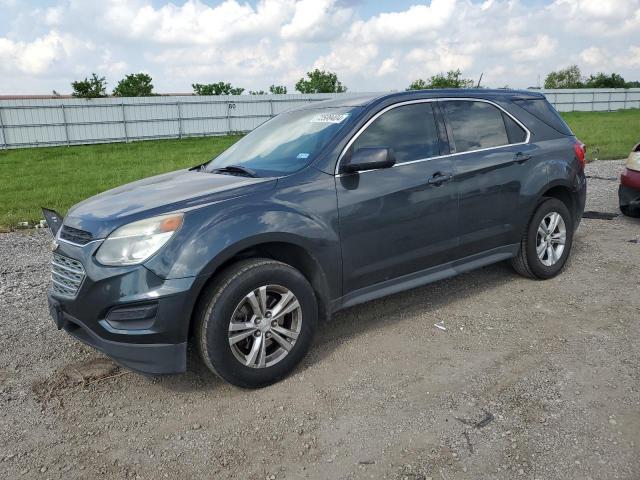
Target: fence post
5,145
593,101
179,119
124,123
66,126
609,103
625,99
271,107
228,118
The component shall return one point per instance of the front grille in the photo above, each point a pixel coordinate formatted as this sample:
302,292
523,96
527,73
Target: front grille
67,275
74,235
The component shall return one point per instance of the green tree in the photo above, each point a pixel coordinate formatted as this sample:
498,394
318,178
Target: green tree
569,77
220,88
94,87
134,85
278,89
601,80
634,84
319,81
451,79
258,92
418,84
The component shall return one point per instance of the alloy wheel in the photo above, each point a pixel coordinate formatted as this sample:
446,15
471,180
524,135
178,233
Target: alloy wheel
264,326
551,238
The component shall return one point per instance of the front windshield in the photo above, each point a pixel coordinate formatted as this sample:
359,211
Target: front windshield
286,143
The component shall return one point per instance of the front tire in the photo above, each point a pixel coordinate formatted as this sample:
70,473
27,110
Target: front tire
546,244
255,322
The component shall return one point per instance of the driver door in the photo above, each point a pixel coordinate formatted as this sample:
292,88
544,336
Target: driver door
400,220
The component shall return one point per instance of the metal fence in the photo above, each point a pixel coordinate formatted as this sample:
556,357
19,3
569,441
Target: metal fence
70,121
593,99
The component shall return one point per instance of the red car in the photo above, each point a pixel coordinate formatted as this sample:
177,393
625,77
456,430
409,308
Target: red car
629,191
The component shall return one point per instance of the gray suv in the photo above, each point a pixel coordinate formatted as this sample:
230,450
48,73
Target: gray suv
320,208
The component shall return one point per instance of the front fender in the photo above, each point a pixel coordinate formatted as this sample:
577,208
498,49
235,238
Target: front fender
213,237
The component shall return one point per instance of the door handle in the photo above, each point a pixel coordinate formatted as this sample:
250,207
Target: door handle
521,157
439,178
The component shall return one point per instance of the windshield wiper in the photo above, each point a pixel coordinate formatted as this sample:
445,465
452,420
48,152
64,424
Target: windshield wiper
236,170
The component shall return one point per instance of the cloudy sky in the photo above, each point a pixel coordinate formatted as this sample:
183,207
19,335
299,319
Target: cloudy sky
372,45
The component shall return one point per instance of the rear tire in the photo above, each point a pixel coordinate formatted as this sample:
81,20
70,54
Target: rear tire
242,333
542,255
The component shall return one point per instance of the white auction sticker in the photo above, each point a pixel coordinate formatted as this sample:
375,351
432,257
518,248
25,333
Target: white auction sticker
329,118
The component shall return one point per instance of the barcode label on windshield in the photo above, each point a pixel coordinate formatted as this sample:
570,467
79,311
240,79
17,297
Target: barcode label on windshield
329,118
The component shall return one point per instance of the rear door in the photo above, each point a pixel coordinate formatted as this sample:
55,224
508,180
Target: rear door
492,161
393,221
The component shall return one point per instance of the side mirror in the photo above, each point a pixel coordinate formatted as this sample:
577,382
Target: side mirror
369,158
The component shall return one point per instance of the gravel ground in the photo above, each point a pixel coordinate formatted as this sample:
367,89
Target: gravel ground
529,380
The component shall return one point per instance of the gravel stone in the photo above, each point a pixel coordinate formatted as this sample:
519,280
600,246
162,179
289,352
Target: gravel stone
381,383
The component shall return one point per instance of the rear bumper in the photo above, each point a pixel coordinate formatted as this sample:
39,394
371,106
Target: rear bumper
629,199
630,179
629,191
581,202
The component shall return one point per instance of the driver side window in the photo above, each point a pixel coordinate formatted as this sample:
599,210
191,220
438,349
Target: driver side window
410,130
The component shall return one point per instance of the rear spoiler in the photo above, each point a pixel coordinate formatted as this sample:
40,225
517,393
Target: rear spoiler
54,220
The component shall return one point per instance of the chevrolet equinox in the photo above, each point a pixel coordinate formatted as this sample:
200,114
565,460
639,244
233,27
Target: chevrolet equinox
320,208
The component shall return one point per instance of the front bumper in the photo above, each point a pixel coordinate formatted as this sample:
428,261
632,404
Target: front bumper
148,358
128,313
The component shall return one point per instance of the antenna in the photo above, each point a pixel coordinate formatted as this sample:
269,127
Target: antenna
480,80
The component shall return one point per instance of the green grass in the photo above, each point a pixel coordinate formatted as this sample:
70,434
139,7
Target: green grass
608,135
59,177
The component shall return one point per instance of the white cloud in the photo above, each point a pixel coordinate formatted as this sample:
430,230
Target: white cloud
34,57
598,17
594,56
388,65
417,22
53,16
347,59
194,22
255,44
315,20
602,59
539,48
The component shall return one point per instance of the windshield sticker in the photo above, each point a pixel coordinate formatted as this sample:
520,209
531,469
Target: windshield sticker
329,118
302,155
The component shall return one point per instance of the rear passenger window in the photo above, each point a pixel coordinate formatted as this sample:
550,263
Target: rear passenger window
476,125
410,130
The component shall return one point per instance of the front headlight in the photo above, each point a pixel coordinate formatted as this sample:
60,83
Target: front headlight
137,241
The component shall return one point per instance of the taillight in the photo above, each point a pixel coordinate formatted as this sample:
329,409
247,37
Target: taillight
581,150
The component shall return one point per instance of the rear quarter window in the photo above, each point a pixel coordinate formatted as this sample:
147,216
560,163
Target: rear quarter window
544,111
515,132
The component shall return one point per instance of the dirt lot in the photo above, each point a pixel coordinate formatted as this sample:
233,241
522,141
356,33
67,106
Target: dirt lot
529,380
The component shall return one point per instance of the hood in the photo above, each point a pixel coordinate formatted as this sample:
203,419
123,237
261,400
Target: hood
180,190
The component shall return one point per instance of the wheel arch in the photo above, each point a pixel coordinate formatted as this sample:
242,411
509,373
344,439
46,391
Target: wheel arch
565,194
284,250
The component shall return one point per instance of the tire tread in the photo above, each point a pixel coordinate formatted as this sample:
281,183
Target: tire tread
213,293
521,262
